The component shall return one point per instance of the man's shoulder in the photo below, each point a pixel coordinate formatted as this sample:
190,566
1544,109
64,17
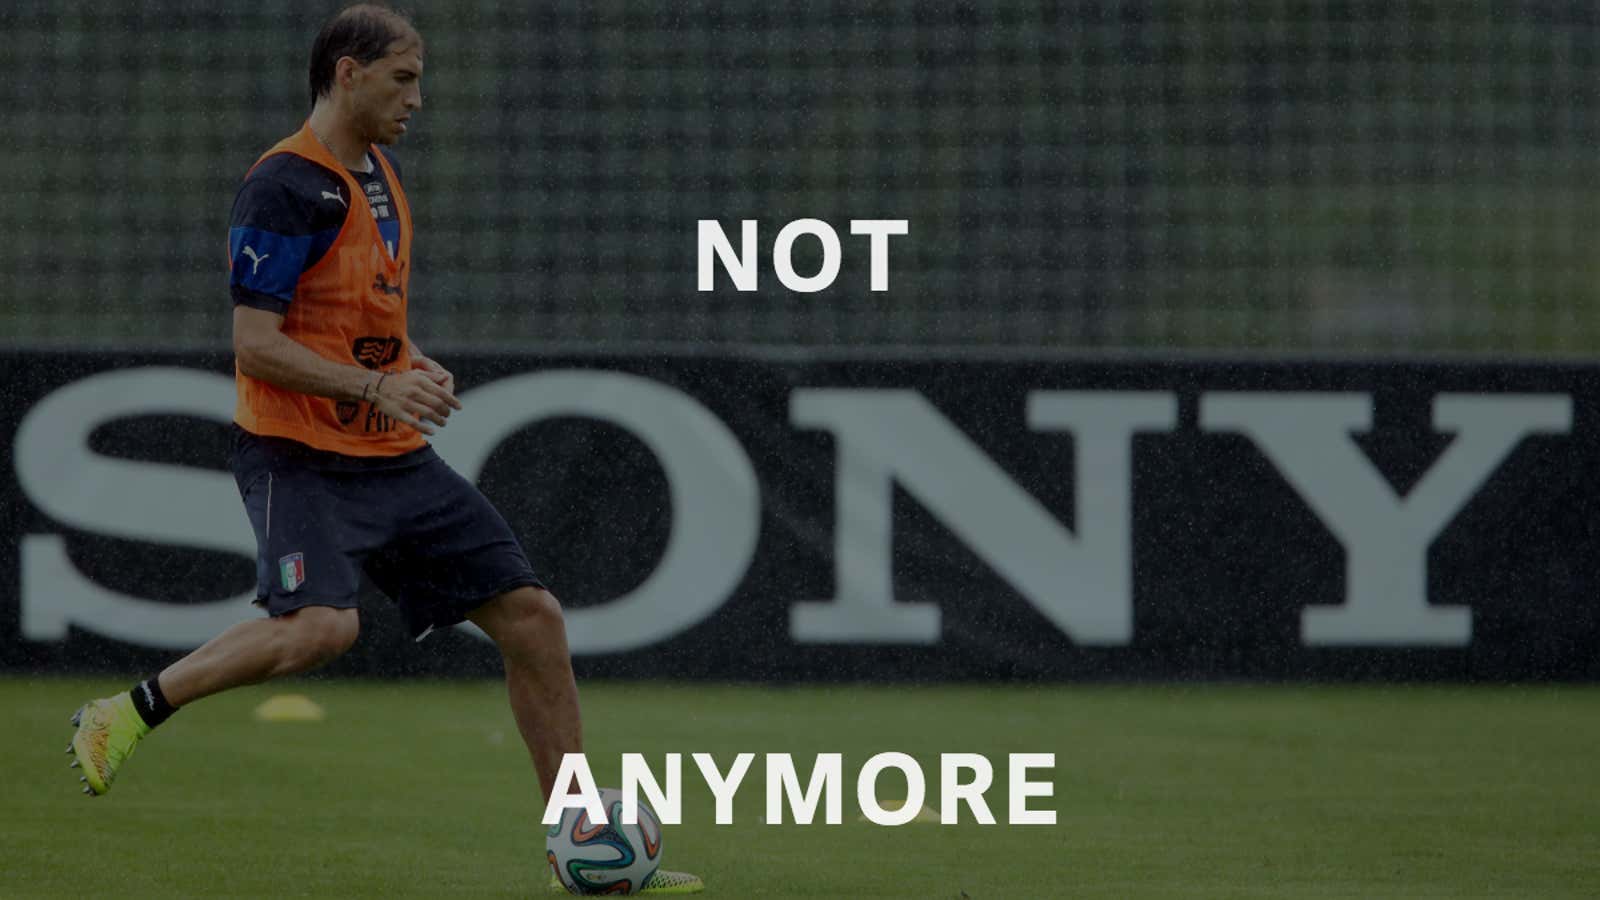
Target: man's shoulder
292,194
297,175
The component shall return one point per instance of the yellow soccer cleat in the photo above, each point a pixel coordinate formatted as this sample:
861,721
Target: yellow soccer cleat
108,731
663,881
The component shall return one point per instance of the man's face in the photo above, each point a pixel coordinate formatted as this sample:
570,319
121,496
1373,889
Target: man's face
384,94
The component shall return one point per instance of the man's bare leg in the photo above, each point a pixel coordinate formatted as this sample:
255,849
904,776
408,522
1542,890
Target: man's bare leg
527,625
109,729
260,650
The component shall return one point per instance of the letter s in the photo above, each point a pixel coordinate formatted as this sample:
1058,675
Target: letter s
143,501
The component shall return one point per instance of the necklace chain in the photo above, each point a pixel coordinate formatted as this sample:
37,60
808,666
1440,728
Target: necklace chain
321,140
329,147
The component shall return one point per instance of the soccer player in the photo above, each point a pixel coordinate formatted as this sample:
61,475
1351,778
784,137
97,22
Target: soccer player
334,401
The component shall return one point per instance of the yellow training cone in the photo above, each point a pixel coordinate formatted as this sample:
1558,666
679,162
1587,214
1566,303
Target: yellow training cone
290,708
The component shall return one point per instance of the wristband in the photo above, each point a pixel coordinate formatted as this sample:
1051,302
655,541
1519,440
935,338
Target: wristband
369,391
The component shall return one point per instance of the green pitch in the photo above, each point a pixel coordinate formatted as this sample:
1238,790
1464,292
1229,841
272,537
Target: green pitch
422,789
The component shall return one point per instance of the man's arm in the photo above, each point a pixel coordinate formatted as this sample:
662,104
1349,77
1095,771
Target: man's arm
263,351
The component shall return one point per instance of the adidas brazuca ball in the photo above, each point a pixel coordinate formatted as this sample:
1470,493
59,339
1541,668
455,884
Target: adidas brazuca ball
614,858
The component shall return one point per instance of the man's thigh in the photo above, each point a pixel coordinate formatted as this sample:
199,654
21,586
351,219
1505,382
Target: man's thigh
452,553
311,534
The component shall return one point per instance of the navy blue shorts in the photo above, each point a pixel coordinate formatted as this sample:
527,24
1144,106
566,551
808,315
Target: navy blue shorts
424,535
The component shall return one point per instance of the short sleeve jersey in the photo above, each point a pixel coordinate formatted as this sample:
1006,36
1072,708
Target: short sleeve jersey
287,215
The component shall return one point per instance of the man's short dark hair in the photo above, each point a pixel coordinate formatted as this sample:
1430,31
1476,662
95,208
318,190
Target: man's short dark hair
362,32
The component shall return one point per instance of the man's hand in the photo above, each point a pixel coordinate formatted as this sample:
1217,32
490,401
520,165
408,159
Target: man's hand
414,398
440,375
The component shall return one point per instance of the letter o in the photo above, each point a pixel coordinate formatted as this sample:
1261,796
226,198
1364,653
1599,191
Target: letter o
716,505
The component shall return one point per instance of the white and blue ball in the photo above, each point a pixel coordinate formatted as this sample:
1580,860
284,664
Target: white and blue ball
591,858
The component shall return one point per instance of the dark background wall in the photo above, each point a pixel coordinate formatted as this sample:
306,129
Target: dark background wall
1448,508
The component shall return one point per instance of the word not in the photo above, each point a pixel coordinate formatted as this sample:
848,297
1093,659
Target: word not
742,267
823,789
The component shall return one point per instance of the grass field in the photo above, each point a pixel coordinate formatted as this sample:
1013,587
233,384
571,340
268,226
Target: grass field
422,789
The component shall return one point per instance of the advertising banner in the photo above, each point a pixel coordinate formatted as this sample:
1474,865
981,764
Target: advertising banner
774,516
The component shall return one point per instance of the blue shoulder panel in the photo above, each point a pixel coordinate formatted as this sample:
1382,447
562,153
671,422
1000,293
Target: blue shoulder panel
287,214
267,262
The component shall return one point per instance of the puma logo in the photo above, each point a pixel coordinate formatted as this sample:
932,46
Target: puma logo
335,195
255,261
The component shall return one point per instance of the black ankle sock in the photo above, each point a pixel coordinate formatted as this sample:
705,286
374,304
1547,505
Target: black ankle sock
151,703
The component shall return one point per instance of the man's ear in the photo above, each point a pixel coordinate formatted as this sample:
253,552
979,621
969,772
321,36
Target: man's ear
344,71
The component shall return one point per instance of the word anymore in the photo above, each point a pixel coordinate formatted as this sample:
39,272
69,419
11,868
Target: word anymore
575,788
741,267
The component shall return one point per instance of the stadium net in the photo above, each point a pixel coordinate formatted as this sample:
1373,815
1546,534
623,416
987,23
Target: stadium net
1259,174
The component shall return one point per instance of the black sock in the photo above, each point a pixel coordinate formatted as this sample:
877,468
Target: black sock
151,703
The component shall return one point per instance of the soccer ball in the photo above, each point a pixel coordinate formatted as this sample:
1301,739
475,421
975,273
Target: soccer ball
614,858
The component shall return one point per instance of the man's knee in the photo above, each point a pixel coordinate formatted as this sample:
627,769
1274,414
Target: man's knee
520,615
319,634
